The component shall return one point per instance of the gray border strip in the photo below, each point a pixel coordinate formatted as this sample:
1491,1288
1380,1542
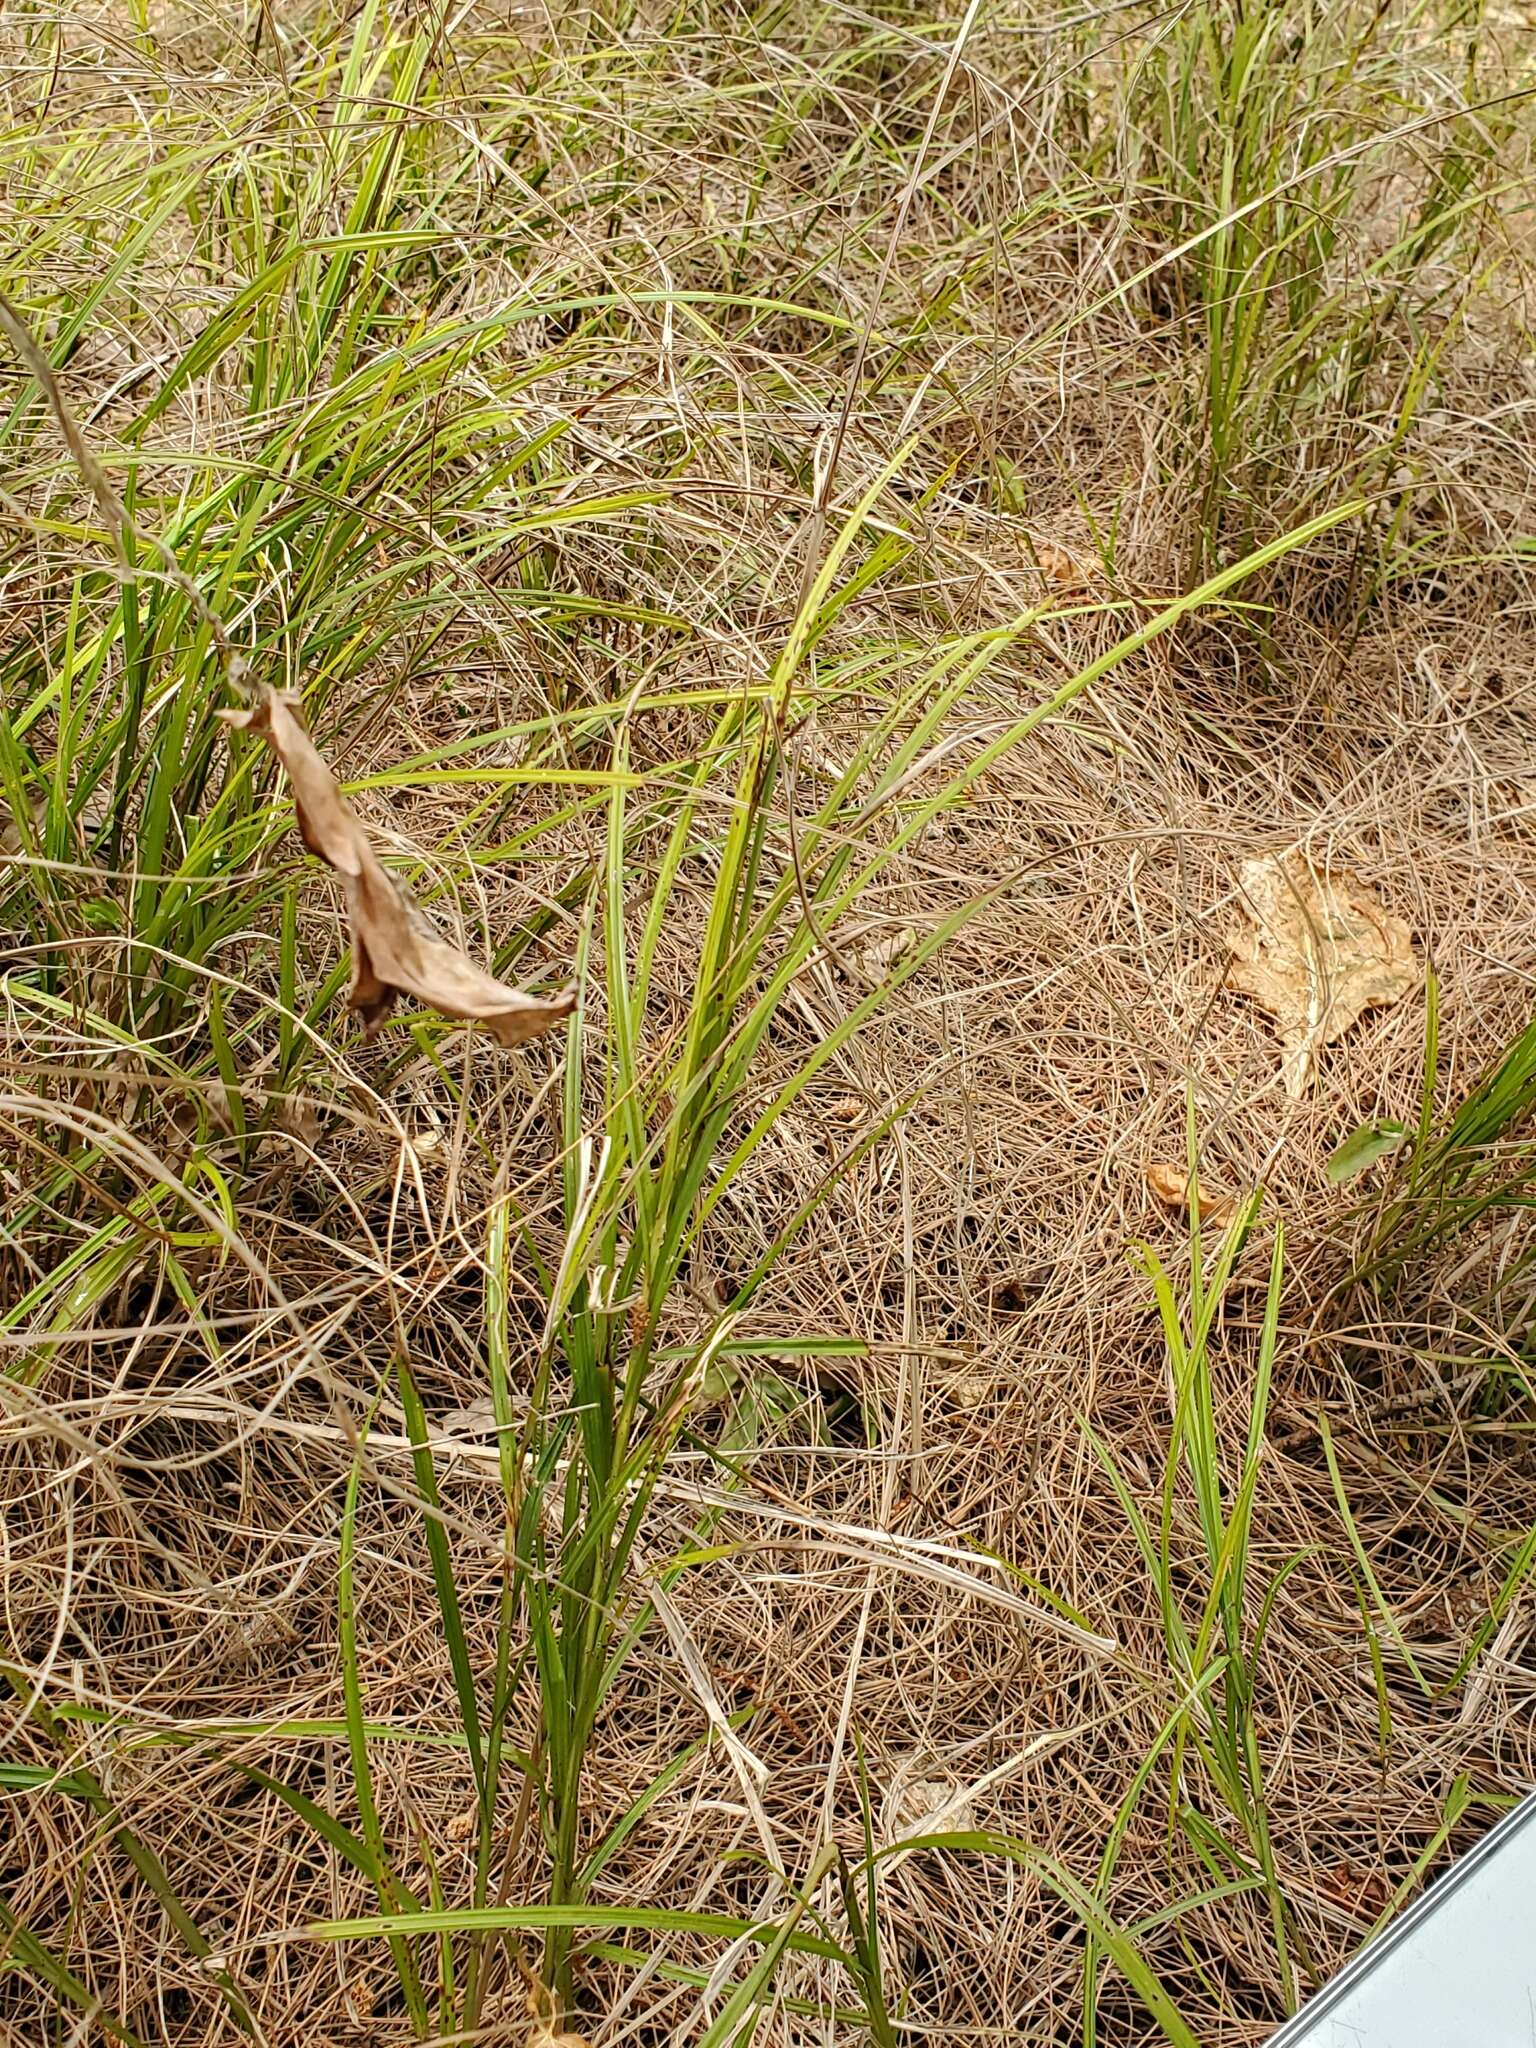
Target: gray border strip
1363,1964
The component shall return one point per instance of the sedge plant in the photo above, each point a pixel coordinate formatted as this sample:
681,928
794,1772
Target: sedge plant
1213,1638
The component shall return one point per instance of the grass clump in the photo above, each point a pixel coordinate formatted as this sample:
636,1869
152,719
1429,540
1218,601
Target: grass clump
1445,1242
1325,271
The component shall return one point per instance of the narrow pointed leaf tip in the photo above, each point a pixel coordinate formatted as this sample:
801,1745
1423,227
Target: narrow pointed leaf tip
395,951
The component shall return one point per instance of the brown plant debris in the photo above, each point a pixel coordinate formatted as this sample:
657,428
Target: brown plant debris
1315,950
1170,1185
546,2022
395,951
1063,572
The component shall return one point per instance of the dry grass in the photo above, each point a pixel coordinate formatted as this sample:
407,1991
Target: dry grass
693,220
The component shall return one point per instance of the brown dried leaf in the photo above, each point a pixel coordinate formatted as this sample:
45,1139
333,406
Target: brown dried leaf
1365,1891
11,841
1170,1184
298,1116
1062,571
1315,950
395,951
464,1824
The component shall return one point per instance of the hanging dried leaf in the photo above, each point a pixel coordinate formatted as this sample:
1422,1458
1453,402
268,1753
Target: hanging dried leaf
1170,1184
1315,950
395,951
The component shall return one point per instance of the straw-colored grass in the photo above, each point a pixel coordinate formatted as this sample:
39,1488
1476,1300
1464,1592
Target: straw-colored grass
835,535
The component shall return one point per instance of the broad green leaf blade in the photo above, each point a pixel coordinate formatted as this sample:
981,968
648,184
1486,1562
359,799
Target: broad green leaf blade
1378,1139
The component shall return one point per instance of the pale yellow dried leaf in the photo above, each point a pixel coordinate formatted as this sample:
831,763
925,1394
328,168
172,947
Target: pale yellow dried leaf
924,1806
966,1387
476,1419
395,951
1170,1184
878,954
1316,949
546,2025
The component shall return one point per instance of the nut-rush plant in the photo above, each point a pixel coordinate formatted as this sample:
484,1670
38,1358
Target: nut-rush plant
655,1134
1211,1643
640,1187
607,1402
